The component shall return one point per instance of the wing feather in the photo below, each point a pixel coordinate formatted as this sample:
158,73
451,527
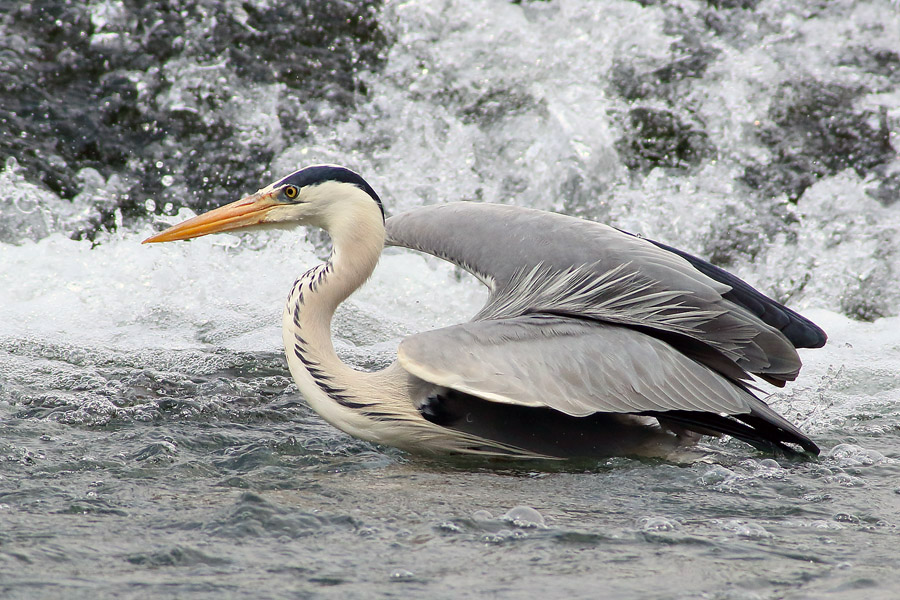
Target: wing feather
535,261
573,366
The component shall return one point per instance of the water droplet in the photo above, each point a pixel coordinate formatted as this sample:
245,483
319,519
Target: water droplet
167,180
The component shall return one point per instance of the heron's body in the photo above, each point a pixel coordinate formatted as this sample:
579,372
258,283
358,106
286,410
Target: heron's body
593,342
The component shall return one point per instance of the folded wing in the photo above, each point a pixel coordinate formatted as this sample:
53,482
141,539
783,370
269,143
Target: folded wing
581,368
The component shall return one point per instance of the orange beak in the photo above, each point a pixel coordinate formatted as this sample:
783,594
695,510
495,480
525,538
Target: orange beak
243,213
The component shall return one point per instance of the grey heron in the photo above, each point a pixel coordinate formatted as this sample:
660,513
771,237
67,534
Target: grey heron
593,342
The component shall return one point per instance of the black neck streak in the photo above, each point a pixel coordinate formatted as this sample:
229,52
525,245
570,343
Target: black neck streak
311,281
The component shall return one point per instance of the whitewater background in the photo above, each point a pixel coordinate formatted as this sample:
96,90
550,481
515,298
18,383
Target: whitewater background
151,441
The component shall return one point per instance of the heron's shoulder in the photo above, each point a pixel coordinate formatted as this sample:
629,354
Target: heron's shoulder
501,240
481,211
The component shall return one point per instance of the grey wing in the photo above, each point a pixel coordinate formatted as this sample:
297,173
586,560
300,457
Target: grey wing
581,368
534,261
802,332
576,367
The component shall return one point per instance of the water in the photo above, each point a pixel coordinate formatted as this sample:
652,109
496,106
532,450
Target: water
151,441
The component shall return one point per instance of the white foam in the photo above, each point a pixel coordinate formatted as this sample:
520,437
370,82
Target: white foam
216,291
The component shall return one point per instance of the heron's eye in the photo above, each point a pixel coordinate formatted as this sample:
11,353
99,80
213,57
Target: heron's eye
291,191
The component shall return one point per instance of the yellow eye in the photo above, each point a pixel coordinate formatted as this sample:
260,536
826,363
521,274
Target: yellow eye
291,191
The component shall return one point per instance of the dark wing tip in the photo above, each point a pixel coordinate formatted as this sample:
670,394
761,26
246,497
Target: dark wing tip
754,429
803,333
799,330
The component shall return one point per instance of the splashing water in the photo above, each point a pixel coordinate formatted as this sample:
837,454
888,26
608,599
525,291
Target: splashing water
142,389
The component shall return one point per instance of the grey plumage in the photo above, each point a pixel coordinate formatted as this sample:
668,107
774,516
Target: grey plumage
645,285
593,342
584,319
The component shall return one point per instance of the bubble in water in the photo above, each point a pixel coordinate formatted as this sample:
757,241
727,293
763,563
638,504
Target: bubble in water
525,517
657,524
847,518
402,575
450,526
167,180
845,480
766,468
717,474
503,536
851,455
747,530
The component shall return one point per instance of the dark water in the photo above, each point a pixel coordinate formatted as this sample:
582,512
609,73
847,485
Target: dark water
151,441
224,484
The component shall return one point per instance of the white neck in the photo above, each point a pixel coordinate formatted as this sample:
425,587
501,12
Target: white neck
333,389
356,227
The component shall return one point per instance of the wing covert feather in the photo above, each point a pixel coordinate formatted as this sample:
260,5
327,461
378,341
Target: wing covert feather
573,366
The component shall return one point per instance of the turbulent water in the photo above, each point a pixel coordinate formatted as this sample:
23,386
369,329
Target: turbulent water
152,443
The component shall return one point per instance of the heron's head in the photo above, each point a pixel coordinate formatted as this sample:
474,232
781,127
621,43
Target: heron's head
314,195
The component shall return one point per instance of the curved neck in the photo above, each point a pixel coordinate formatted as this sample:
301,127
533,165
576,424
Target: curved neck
357,235
356,247
331,387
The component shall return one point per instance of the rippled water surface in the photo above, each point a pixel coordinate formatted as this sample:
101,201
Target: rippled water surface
152,443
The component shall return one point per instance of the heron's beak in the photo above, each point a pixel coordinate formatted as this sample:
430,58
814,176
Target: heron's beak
248,211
